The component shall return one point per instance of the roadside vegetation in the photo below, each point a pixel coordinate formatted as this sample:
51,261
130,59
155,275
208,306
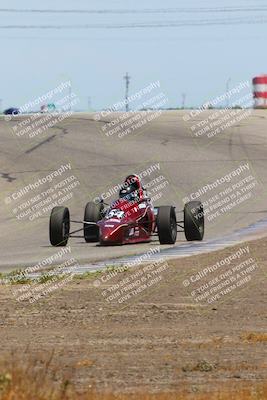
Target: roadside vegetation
40,379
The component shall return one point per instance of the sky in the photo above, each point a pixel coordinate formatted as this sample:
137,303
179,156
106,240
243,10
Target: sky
194,60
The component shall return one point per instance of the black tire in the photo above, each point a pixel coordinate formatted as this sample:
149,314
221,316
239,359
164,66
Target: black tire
194,221
166,224
92,213
59,226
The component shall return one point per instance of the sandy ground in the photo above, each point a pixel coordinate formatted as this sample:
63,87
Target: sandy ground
160,338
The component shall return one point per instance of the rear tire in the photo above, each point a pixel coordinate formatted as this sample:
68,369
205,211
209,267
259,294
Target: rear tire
59,226
92,213
194,221
166,224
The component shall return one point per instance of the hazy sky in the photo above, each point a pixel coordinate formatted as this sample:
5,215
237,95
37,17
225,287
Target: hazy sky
196,60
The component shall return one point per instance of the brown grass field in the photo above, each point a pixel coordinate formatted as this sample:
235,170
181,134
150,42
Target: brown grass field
160,344
28,381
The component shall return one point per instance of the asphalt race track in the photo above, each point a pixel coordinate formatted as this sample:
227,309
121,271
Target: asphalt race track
174,161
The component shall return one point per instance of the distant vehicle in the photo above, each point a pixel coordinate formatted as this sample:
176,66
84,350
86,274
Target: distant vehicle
46,108
12,111
130,219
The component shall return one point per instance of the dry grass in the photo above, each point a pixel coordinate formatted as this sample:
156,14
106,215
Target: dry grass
254,337
39,379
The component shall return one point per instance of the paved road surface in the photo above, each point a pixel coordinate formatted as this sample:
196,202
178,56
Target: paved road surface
182,164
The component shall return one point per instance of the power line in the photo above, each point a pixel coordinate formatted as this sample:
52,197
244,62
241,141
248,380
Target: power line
172,38
139,11
159,24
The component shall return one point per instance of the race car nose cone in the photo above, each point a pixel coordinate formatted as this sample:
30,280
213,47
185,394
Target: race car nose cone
111,231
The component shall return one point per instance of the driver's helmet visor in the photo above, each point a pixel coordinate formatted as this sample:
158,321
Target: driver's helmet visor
129,195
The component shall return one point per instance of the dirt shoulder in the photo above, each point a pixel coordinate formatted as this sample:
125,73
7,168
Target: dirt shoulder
178,327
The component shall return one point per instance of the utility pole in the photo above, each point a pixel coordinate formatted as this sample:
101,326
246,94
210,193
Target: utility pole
127,81
227,90
70,95
89,103
183,100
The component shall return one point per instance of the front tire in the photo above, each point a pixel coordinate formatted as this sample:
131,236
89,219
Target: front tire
59,226
166,224
194,221
92,213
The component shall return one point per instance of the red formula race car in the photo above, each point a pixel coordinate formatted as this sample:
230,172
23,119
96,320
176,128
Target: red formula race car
130,219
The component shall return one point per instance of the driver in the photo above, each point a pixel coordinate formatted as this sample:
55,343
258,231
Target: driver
131,189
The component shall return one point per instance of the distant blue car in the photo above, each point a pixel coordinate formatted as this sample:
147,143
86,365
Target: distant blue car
12,111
